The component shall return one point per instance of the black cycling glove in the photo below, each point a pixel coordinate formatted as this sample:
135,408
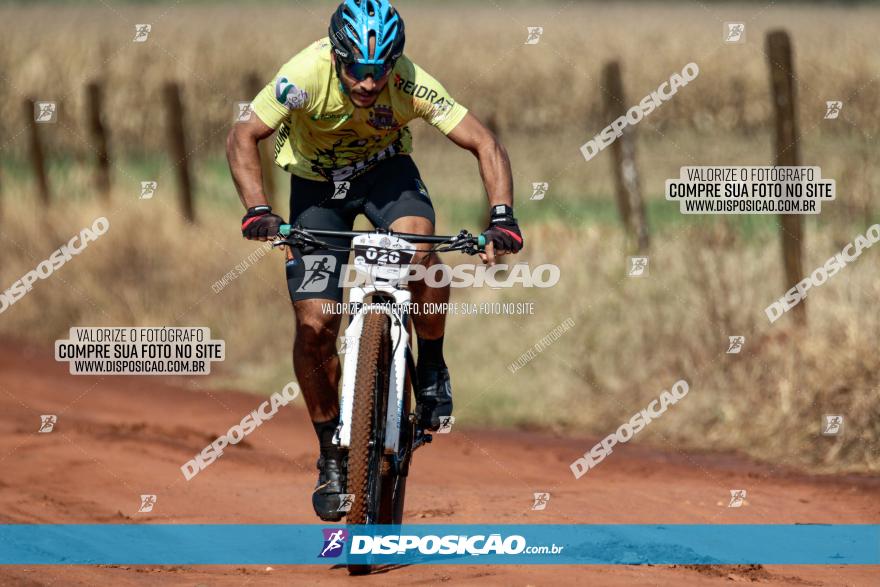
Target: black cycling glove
503,231
260,224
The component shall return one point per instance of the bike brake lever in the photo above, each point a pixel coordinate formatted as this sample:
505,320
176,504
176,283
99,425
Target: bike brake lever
297,241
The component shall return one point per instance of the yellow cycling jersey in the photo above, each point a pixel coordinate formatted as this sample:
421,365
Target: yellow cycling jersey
322,136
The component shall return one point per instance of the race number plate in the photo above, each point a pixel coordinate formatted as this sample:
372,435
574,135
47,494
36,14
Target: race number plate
382,257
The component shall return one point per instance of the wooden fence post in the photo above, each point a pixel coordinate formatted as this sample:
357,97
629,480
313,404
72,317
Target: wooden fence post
38,163
626,173
781,65
177,146
94,99
253,85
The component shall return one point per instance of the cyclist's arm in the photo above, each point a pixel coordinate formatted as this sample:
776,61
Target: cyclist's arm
471,134
243,155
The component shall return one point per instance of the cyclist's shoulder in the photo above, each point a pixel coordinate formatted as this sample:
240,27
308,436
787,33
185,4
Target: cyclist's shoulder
299,83
407,76
407,69
313,61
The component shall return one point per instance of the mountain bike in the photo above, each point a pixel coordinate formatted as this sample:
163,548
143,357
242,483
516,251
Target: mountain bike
377,427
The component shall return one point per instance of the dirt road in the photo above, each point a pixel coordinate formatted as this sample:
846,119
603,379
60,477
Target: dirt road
120,437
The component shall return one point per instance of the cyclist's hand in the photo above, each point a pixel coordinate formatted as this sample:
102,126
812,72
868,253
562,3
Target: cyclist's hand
260,224
503,234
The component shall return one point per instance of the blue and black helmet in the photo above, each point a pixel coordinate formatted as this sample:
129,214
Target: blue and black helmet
356,21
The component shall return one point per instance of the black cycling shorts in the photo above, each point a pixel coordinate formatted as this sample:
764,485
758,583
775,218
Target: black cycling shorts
390,190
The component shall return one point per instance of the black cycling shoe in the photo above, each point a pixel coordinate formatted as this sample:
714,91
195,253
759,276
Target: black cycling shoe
434,396
326,498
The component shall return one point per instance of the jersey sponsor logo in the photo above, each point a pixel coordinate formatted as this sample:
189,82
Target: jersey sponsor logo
416,90
350,171
440,110
288,94
382,117
281,138
442,105
342,117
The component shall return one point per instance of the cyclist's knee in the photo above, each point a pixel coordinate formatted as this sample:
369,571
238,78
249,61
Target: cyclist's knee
315,328
418,225
413,225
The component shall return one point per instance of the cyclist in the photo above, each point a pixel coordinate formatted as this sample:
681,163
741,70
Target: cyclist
341,108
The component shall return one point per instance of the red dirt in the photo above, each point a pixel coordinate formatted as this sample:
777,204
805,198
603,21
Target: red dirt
119,437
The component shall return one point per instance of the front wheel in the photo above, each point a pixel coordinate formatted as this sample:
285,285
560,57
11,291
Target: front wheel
378,491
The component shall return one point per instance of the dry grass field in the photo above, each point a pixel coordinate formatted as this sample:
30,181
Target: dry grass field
709,278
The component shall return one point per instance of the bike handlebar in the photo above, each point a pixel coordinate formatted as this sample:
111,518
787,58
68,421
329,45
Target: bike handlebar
285,230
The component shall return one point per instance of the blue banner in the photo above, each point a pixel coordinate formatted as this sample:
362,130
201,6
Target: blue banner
625,544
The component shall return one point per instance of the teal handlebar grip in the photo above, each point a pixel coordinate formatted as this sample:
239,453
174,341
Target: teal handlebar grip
284,230
481,242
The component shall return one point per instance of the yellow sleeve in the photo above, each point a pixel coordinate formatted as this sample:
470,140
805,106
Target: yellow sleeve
290,90
429,100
